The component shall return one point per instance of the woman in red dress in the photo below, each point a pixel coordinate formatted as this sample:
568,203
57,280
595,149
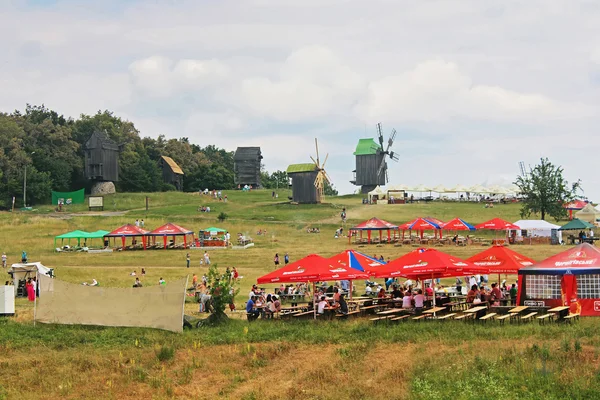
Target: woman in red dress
30,290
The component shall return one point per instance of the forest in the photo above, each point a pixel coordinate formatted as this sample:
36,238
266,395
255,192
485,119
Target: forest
49,147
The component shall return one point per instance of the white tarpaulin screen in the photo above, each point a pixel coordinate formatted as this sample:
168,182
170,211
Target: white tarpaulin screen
158,306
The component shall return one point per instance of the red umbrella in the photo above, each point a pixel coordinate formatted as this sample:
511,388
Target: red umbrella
428,263
373,224
501,260
356,260
422,224
458,224
497,224
575,205
312,268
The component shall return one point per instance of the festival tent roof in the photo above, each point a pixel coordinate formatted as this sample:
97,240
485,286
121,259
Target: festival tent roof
420,224
458,224
213,229
496,224
421,188
576,225
374,224
77,234
588,213
428,263
21,271
581,259
126,231
377,191
398,188
576,205
356,260
312,268
458,189
97,234
439,189
170,229
501,260
539,227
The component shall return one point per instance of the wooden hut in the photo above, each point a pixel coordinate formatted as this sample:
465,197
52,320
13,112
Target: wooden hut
171,173
369,156
246,166
101,158
303,183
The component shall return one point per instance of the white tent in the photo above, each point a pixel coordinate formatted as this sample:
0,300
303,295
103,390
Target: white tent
536,227
588,213
377,192
29,270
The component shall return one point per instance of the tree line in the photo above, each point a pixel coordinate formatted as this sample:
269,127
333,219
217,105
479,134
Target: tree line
50,147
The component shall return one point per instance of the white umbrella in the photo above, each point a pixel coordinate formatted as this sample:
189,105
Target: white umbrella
458,189
421,188
440,189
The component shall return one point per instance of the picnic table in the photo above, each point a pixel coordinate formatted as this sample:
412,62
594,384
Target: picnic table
475,309
391,311
434,310
561,312
456,305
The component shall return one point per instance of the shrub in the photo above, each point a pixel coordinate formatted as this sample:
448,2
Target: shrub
165,353
222,217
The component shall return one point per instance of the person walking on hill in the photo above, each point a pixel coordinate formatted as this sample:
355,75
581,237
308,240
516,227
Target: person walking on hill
24,257
187,259
276,260
286,259
206,258
3,260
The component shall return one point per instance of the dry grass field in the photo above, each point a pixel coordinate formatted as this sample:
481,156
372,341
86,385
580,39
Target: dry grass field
273,359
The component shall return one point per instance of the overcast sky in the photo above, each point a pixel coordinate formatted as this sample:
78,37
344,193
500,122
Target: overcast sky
472,87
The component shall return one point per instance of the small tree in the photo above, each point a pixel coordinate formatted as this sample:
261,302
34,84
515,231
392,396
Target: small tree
545,191
222,217
222,289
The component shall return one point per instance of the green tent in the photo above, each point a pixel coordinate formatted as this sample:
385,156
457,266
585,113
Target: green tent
213,229
97,234
77,234
576,225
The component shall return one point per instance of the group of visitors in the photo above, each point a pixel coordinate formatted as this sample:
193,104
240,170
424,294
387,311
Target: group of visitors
286,259
204,260
313,230
139,223
204,209
484,296
261,304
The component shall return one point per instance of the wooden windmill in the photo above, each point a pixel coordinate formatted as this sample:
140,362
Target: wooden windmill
308,180
371,161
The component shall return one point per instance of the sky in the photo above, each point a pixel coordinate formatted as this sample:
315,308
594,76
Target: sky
472,87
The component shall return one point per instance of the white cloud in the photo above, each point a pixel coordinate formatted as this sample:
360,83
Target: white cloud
439,90
161,77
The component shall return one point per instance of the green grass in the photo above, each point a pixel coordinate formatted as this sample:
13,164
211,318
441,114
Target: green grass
97,362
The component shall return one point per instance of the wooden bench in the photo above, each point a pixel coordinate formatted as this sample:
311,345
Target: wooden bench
445,317
487,316
463,316
303,314
571,317
420,317
503,318
351,313
528,317
400,318
368,309
379,319
546,317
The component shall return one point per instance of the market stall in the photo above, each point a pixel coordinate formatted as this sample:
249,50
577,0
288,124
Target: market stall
172,231
374,224
128,231
570,278
212,237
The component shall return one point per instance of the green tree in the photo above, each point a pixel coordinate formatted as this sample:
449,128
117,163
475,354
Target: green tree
223,290
544,191
329,189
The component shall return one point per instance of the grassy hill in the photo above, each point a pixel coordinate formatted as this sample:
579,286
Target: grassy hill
298,359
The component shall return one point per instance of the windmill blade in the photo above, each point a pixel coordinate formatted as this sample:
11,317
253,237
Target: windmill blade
391,140
313,160
394,156
387,177
380,134
327,176
381,167
319,180
317,147
323,165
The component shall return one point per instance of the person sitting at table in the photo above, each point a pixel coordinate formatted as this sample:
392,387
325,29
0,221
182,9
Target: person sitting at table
407,300
268,310
483,294
472,294
496,295
321,306
396,293
455,239
381,294
343,306
276,304
251,311
336,294
429,291
513,294
419,301
368,291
